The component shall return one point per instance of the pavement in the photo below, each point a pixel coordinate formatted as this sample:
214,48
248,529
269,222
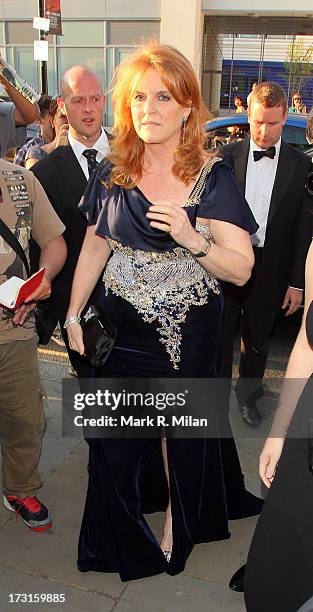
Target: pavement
45,563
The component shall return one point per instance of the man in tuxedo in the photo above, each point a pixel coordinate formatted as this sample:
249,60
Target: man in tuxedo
273,175
64,175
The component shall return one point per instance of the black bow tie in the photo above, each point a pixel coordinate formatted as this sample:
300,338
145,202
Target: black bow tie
91,155
271,152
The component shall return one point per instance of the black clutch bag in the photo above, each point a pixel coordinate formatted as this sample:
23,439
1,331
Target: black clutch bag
99,335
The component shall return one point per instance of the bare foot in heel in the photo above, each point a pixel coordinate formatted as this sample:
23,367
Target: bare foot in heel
167,538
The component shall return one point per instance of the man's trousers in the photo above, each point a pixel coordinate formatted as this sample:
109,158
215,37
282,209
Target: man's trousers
248,306
21,417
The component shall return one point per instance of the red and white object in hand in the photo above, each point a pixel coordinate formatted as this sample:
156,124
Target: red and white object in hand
15,291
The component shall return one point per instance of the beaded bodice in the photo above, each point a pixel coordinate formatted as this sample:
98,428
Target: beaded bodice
161,286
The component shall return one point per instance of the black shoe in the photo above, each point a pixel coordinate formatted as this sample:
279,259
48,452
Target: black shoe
236,581
250,414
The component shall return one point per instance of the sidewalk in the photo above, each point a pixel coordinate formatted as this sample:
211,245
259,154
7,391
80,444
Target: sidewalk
46,563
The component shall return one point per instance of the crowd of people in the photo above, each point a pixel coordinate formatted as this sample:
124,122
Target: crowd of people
178,247
297,105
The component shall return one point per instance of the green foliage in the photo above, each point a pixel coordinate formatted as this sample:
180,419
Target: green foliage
298,63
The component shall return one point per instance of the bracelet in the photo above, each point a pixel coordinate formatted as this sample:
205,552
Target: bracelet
71,321
205,249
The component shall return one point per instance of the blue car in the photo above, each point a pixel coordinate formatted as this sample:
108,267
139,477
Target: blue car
230,128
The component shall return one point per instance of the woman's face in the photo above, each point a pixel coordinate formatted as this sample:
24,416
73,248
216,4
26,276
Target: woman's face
157,117
58,120
297,101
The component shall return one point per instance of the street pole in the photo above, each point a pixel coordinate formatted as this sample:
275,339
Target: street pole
43,64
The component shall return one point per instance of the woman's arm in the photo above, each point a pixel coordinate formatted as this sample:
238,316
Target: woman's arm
26,112
30,162
34,155
299,369
230,257
93,258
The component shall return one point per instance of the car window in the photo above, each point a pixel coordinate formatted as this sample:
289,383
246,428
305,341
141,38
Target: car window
226,135
296,137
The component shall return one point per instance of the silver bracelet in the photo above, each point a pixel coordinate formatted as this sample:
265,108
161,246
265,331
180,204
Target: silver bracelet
71,321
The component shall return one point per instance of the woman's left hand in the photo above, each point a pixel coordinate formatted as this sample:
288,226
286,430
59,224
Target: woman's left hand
269,458
170,217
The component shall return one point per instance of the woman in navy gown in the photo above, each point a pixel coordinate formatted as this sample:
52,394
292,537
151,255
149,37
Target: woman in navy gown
173,220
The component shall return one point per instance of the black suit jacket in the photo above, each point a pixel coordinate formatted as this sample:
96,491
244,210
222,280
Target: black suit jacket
289,225
64,183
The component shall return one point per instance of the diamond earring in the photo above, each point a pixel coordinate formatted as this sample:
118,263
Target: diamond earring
184,129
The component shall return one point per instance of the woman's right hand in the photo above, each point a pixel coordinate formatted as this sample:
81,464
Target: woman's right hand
75,338
61,139
269,458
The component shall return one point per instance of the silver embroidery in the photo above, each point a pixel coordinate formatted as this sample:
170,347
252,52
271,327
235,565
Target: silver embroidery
161,286
204,230
197,192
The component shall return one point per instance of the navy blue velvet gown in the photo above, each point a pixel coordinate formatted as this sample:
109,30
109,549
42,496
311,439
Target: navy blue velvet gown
279,574
167,311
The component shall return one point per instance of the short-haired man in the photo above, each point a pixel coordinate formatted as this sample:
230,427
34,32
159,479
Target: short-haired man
25,210
272,175
64,175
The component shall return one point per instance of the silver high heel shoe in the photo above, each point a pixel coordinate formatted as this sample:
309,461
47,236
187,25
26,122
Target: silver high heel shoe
167,554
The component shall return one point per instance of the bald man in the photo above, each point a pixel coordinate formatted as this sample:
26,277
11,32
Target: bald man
64,175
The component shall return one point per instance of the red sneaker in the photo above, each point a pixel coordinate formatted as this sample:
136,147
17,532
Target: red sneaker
34,514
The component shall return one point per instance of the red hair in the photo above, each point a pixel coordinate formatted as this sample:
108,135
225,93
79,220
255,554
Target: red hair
180,79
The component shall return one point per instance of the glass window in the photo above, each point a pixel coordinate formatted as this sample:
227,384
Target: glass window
25,65
53,87
67,57
131,32
1,33
248,35
274,36
23,61
296,137
82,33
20,32
114,56
110,66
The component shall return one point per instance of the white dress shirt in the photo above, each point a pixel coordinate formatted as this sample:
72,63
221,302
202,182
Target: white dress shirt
260,179
102,146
